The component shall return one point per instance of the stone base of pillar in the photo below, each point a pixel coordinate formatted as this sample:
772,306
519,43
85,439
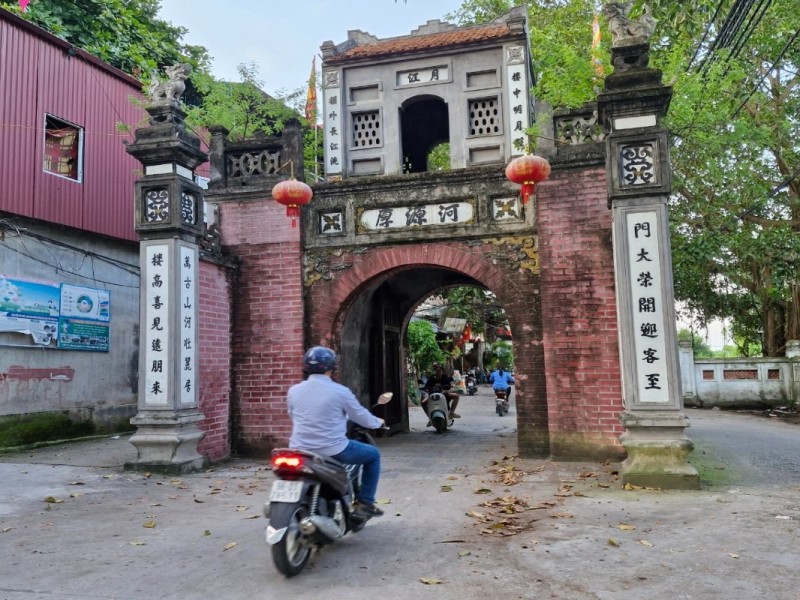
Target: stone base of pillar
657,450
166,442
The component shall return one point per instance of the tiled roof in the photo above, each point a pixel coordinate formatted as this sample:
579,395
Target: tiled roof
416,43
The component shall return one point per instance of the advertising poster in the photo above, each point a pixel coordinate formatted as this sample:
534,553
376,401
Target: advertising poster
85,303
82,335
30,308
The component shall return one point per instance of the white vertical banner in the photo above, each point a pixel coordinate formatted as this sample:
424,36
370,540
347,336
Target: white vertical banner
187,326
646,289
517,99
156,323
333,119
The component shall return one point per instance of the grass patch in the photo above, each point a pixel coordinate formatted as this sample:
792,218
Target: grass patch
42,427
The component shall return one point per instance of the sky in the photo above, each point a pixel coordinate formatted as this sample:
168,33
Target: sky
281,37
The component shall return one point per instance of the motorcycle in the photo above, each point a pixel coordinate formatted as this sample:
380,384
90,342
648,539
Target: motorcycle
501,402
472,387
438,411
312,502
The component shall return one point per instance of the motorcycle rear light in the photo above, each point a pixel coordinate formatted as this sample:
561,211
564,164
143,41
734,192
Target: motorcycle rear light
287,461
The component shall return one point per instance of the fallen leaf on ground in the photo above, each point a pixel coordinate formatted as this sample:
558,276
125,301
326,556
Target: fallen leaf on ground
626,527
149,524
229,546
430,581
206,533
446,488
613,542
52,500
561,516
137,543
383,501
464,553
76,483
733,555
483,491
646,543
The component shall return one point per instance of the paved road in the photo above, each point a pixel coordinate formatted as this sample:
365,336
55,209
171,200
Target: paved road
451,530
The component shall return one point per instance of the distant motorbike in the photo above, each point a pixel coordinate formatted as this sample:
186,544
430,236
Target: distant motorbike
438,411
501,402
311,503
472,387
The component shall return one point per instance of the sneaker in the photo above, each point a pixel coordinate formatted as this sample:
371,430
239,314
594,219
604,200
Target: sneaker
455,415
368,510
429,424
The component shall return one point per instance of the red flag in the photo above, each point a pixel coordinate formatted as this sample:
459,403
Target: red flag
23,4
311,96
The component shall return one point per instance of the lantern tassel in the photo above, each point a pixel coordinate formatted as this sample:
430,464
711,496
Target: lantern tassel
527,191
293,212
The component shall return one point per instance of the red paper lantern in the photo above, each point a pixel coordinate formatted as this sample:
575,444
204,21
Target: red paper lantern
292,194
528,170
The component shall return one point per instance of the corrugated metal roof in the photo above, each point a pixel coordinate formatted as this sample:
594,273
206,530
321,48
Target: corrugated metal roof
39,77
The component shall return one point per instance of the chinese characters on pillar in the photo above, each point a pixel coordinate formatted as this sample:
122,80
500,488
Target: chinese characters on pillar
155,283
650,349
332,118
518,100
401,217
187,327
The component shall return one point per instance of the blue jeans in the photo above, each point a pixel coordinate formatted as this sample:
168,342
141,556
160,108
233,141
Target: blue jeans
359,453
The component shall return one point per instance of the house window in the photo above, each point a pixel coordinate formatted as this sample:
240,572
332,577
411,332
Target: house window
63,148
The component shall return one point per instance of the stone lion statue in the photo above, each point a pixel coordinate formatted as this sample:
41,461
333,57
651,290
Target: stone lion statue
171,90
624,30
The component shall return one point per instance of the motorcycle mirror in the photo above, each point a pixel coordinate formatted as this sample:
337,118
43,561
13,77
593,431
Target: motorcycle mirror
384,397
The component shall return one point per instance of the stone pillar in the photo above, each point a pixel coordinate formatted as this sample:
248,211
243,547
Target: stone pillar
169,220
686,363
631,107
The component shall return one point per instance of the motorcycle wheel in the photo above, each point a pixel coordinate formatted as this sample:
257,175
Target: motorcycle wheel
499,408
440,424
291,554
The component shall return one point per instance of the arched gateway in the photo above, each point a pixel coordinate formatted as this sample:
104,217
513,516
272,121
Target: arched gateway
385,230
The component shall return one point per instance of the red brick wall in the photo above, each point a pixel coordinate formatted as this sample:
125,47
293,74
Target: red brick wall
268,320
215,359
579,315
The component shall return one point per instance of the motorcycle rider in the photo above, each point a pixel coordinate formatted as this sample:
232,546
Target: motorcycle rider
502,380
320,408
438,379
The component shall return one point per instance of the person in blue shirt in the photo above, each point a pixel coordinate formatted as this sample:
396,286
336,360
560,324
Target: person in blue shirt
320,408
502,380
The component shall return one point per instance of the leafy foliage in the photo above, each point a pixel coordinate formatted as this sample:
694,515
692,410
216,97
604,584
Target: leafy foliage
124,33
734,124
422,347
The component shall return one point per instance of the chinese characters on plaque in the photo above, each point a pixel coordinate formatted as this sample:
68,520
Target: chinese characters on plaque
187,366
401,217
434,74
332,117
650,350
155,281
518,102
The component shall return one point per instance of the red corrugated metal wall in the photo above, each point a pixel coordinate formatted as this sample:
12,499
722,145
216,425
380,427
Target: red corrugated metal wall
37,78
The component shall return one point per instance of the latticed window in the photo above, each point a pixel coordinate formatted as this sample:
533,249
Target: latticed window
63,143
366,129
484,117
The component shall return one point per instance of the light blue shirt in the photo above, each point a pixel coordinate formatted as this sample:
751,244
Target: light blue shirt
320,409
501,381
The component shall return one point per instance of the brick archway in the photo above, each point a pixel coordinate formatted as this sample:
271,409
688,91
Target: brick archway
328,304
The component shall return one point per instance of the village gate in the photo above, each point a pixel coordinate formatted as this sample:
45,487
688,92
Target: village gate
384,231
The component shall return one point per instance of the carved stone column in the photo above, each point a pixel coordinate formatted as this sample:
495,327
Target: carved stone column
639,183
169,220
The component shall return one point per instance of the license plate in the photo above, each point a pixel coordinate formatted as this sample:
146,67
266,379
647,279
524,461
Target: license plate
286,491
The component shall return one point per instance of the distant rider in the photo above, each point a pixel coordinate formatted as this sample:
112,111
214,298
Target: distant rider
502,380
439,381
320,409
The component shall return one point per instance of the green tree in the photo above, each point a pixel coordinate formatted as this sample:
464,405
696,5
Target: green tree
423,350
734,125
124,33
242,107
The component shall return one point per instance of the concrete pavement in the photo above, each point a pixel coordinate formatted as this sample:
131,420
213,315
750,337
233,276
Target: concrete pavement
464,519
